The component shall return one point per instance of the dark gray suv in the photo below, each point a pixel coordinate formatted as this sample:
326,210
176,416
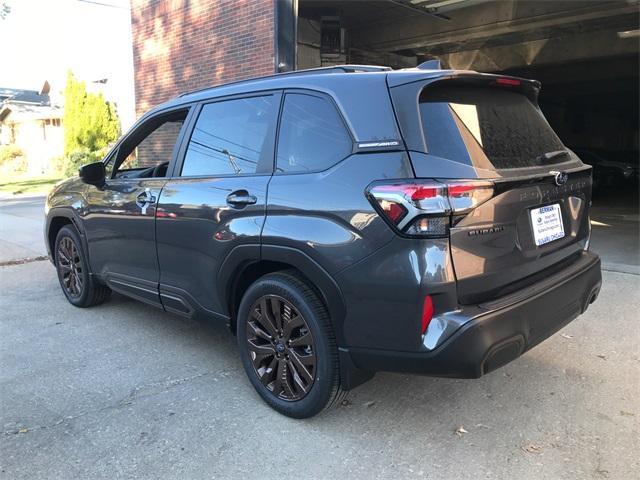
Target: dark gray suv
342,221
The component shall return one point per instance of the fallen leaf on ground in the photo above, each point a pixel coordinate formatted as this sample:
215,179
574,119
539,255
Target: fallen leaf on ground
627,414
23,430
531,448
460,431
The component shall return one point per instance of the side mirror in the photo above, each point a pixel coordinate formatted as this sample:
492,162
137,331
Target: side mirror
93,173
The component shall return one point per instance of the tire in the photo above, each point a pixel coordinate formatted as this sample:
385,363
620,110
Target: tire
77,284
279,366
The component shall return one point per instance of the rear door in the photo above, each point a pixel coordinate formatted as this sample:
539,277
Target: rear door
215,200
537,219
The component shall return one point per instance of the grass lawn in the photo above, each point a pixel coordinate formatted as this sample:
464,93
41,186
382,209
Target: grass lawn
32,185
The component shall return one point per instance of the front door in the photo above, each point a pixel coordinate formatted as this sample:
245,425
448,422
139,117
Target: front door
120,216
216,200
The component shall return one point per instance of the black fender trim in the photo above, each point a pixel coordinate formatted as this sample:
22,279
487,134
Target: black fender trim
350,375
72,215
236,261
243,256
323,282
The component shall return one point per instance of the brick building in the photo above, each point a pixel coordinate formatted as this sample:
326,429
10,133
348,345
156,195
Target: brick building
585,52
182,45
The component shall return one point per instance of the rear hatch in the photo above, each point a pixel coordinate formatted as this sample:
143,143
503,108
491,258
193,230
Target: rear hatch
536,222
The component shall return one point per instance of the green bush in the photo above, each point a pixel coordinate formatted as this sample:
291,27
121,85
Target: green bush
76,159
90,122
58,164
12,160
9,153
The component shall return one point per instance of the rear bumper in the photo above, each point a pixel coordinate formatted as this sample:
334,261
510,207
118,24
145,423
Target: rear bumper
499,331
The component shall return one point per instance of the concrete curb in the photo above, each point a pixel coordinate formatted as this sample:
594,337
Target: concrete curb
22,196
621,268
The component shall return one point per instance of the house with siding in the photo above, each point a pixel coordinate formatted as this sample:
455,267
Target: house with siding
29,120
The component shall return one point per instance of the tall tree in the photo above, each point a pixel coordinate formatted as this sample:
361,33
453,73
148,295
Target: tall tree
90,122
74,95
4,10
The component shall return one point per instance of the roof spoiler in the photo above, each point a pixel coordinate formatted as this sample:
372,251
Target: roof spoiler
433,64
423,78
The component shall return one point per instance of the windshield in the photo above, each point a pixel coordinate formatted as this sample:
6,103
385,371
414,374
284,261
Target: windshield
487,127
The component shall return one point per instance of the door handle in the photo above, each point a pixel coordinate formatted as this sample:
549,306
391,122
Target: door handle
145,197
241,198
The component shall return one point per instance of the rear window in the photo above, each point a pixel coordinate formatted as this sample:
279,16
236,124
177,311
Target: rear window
489,128
312,135
229,137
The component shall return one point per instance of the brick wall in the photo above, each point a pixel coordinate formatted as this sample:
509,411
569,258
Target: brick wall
182,45
158,147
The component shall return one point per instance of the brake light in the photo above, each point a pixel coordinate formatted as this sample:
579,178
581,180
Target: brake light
422,193
466,196
424,208
511,82
427,313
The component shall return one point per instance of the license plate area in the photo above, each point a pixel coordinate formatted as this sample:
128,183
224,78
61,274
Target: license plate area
546,223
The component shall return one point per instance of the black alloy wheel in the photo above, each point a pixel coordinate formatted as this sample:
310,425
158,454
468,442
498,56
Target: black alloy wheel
78,285
281,348
287,345
70,267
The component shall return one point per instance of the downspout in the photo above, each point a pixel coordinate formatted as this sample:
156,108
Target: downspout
286,34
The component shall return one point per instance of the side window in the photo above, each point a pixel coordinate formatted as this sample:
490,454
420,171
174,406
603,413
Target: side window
312,135
229,137
148,151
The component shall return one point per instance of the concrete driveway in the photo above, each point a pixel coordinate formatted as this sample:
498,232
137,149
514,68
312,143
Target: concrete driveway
126,391
21,227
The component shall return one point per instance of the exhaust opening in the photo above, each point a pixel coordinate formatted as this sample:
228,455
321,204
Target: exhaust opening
502,353
591,298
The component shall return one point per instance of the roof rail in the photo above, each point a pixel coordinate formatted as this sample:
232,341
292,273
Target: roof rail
352,68
308,71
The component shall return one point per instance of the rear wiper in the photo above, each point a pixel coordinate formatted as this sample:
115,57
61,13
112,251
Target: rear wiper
545,157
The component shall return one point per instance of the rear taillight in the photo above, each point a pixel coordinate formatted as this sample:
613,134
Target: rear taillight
465,196
424,208
509,82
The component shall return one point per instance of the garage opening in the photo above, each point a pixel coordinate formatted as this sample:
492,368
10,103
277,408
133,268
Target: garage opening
585,54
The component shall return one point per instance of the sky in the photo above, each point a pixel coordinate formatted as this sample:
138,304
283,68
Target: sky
42,39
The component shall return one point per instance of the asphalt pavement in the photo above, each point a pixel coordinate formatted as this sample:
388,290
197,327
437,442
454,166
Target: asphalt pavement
126,391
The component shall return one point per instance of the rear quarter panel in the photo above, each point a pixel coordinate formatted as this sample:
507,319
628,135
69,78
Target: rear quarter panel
326,215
